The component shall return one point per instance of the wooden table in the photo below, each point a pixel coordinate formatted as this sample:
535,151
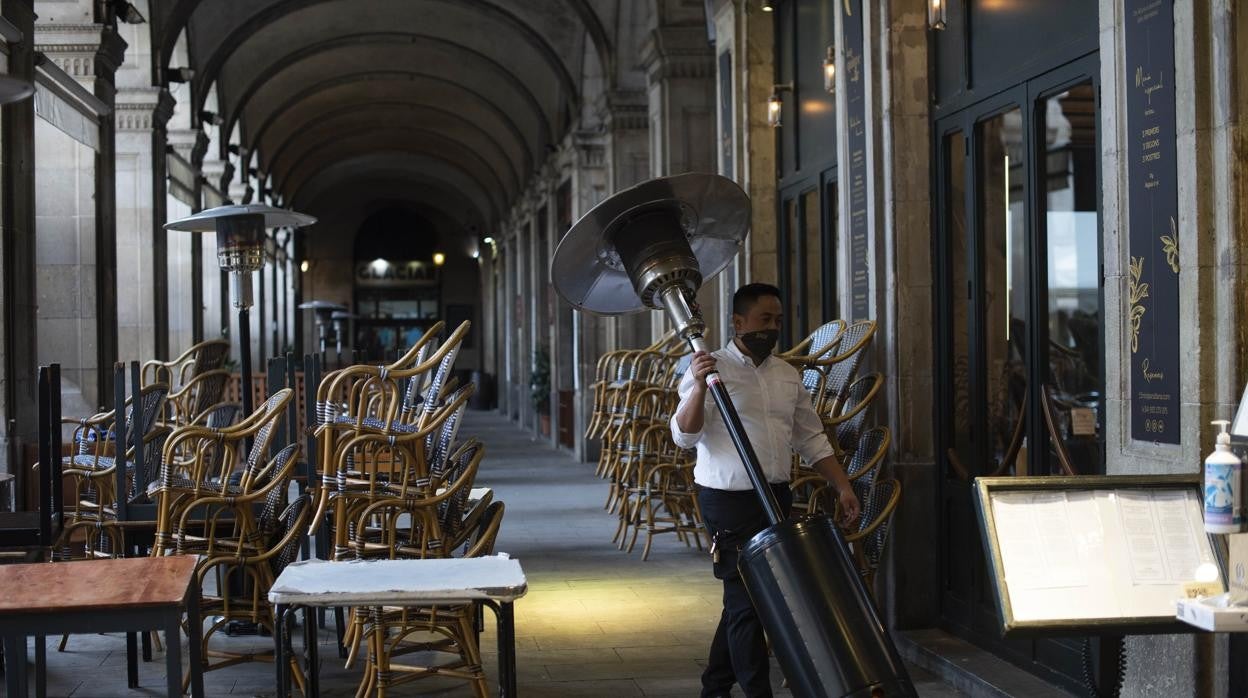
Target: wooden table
495,581
94,596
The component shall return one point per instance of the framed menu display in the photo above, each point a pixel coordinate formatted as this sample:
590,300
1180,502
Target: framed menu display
1092,555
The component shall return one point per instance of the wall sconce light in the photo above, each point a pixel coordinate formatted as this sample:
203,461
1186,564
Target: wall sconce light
767,6
937,14
488,240
304,266
438,259
775,104
829,71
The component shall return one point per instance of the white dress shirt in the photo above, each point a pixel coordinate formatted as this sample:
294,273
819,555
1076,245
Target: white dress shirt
775,410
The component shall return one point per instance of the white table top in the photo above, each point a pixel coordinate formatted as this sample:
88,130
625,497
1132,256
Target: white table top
400,582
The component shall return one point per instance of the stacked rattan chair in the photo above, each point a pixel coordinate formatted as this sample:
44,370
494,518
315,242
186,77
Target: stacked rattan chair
196,380
395,481
222,494
830,360
650,481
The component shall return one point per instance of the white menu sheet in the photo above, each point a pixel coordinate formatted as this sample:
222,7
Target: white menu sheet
1112,554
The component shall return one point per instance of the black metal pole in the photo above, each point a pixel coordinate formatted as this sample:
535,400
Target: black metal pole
244,357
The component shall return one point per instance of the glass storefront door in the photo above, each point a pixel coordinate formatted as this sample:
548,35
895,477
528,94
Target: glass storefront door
807,264
1020,327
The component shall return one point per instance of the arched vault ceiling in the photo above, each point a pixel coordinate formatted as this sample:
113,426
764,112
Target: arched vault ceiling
346,171
213,22
543,48
409,119
449,62
355,199
339,147
365,90
447,96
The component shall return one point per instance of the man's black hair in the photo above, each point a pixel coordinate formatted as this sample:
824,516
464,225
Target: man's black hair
748,295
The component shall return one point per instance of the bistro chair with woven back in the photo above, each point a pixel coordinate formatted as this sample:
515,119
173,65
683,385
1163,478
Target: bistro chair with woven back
404,399
201,358
200,461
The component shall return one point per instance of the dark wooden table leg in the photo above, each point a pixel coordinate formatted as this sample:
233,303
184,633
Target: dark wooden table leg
41,666
173,654
280,662
313,652
194,640
132,660
504,612
340,623
15,665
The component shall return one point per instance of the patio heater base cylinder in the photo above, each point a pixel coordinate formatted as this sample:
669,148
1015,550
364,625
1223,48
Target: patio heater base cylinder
815,609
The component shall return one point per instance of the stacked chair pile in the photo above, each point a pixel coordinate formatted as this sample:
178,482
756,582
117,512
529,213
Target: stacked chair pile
385,476
650,479
829,360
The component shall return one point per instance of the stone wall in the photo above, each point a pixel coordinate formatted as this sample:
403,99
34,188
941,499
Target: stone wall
1211,57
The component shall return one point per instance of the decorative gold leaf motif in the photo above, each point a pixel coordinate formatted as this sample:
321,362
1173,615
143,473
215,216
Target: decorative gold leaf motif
1137,292
1170,245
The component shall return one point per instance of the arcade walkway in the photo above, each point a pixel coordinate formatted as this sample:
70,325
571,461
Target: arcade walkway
597,622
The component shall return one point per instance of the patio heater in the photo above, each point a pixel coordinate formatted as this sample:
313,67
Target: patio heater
324,311
340,318
240,251
652,246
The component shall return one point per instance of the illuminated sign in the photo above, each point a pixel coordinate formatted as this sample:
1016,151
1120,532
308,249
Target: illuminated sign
386,273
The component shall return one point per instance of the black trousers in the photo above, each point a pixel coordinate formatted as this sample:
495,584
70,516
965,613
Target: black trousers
739,649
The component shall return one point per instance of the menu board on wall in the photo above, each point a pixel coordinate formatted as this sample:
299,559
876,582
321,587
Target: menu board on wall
1152,307
856,147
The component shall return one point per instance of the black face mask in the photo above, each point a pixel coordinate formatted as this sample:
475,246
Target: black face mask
760,343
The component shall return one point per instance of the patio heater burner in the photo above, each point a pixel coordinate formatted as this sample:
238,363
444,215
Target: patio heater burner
652,246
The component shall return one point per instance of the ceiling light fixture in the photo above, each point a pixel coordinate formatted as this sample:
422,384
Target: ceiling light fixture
767,6
439,259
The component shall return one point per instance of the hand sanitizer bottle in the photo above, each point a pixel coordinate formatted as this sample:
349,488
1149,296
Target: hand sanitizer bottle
1223,471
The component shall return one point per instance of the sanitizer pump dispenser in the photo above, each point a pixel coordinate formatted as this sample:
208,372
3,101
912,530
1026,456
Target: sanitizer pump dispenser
1224,511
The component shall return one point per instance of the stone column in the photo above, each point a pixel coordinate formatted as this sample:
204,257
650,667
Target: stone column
17,224
140,116
626,120
91,54
905,288
589,187
680,70
1211,97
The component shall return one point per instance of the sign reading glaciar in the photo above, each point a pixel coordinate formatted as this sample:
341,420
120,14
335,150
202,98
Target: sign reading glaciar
1152,307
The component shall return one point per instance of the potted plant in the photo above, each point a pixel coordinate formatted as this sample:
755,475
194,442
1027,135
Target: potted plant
539,386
